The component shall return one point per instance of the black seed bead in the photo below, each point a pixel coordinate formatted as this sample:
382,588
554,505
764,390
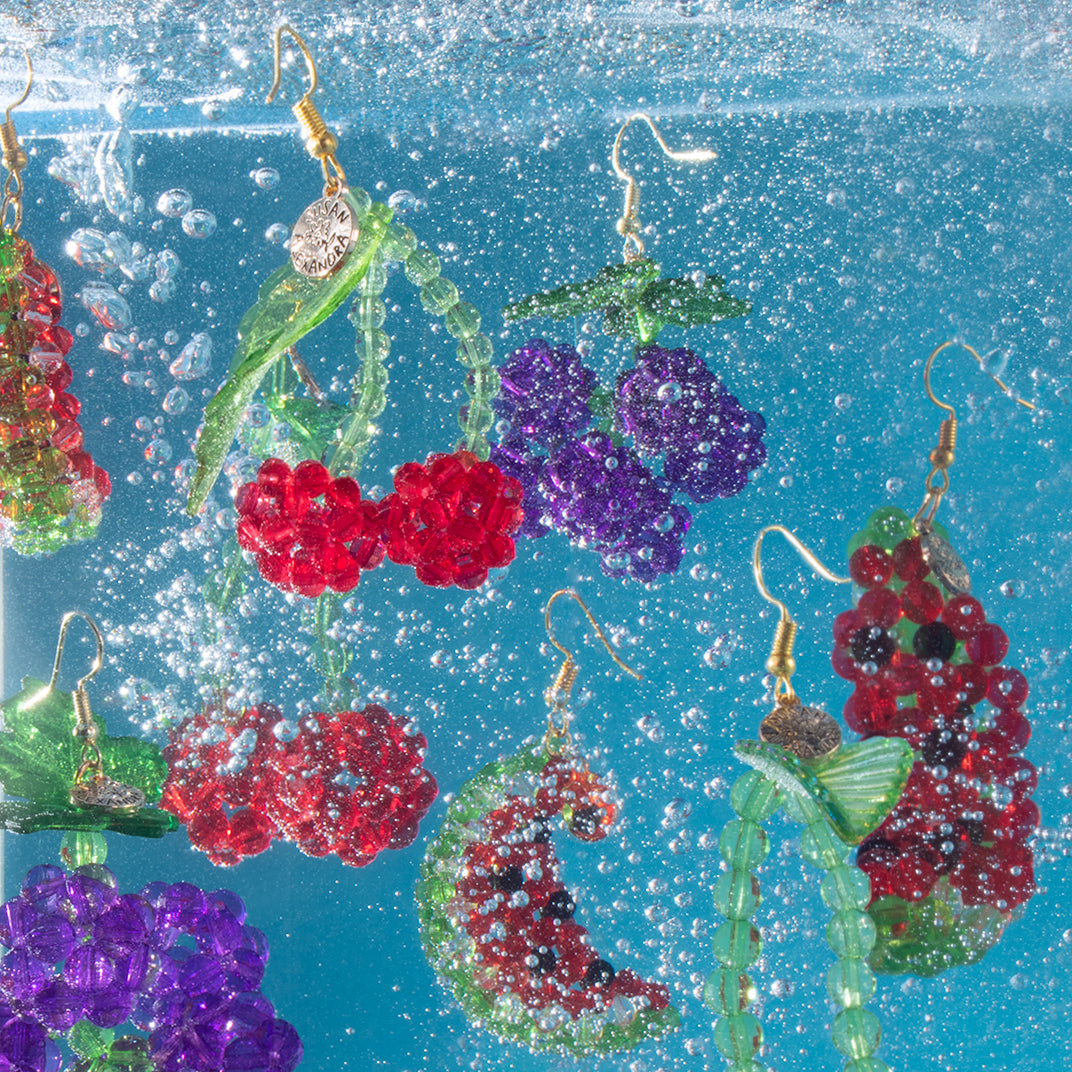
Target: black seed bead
585,821
508,879
599,973
545,961
944,748
935,640
974,828
872,645
560,905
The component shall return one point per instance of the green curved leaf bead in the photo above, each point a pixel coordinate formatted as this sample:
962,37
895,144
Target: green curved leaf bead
856,1033
738,1037
743,844
850,982
736,944
737,895
845,887
754,796
851,933
422,266
728,991
439,296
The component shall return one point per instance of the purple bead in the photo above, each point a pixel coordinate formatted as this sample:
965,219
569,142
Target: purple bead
513,458
218,931
110,1007
182,905
87,897
248,1010
200,975
23,1045
245,969
132,969
22,975
17,918
124,926
44,883
89,969
52,939
58,1007
229,900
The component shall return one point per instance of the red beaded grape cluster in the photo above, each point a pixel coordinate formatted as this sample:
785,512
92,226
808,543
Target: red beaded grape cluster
351,784
51,492
921,664
522,917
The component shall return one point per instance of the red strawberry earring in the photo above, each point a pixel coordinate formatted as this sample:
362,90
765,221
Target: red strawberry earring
951,866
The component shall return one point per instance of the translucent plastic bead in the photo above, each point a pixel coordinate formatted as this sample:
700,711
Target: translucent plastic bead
83,847
475,351
482,383
851,933
850,982
736,944
422,266
375,281
738,1037
370,313
475,418
743,844
818,847
398,242
439,295
463,321
361,204
754,796
856,1032
728,991
376,344
845,887
737,895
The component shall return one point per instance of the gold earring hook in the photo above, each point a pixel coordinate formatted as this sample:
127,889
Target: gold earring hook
14,156
629,224
98,659
781,662
943,455
320,142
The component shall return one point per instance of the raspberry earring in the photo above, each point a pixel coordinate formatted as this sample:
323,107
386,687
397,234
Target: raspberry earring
839,794
951,865
497,921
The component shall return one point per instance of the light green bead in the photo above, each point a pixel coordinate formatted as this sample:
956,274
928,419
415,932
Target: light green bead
398,243
375,281
463,321
743,844
82,847
845,886
422,266
889,525
754,796
851,933
850,982
369,313
737,895
856,1033
818,847
475,417
438,296
738,1037
475,351
867,1064
373,400
728,991
482,383
375,344
736,944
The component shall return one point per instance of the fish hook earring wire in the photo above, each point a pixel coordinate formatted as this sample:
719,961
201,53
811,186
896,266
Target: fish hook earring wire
14,157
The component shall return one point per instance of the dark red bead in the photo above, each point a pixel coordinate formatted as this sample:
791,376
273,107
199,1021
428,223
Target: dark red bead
1007,687
908,560
921,602
880,607
988,645
963,615
870,566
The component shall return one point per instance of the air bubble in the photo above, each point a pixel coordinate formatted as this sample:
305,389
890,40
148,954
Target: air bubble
199,223
174,203
267,178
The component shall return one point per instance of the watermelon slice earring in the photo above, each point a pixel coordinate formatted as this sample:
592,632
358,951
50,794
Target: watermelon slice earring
839,793
497,922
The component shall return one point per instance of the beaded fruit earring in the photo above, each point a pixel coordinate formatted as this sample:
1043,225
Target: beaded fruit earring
839,793
51,492
563,433
497,921
952,864
451,517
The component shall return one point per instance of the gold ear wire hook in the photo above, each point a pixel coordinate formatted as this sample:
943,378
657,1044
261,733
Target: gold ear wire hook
629,224
98,659
781,663
320,142
14,156
943,455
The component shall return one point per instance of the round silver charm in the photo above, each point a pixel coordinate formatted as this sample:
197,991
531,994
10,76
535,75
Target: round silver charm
945,563
107,793
807,732
323,237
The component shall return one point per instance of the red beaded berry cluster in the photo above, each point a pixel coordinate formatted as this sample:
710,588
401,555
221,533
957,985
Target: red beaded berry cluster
50,490
522,917
921,663
307,531
351,784
452,518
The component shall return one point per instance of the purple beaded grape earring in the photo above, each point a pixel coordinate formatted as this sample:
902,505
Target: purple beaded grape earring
563,433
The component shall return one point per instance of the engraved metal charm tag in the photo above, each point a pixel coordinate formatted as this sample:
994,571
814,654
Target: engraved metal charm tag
807,732
945,563
323,237
107,793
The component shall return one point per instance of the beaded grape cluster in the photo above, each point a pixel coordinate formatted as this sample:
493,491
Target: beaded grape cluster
351,784
51,491
173,961
922,663
593,488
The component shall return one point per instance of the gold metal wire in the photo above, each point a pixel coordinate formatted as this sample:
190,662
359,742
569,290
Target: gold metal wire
14,158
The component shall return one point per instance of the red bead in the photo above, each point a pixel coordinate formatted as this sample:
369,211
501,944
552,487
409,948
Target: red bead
868,711
845,625
1007,688
972,682
311,478
908,560
274,474
921,602
987,646
880,607
870,566
964,615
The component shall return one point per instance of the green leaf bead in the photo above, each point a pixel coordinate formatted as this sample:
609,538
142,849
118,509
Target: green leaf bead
736,944
738,1037
867,1064
439,296
819,848
743,844
399,242
361,205
475,351
856,1032
851,933
737,895
850,982
845,887
754,796
728,991
463,321
422,266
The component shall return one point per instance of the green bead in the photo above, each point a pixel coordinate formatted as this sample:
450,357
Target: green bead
482,383
82,847
743,844
373,400
398,242
754,796
819,848
738,1037
737,895
890,525
845,886
867,1064
369,313
728,991
361,205
475,418
463,321
439,296
736,944
851,933
422,266
375,281
374,344
475,351
850,982
856,1032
